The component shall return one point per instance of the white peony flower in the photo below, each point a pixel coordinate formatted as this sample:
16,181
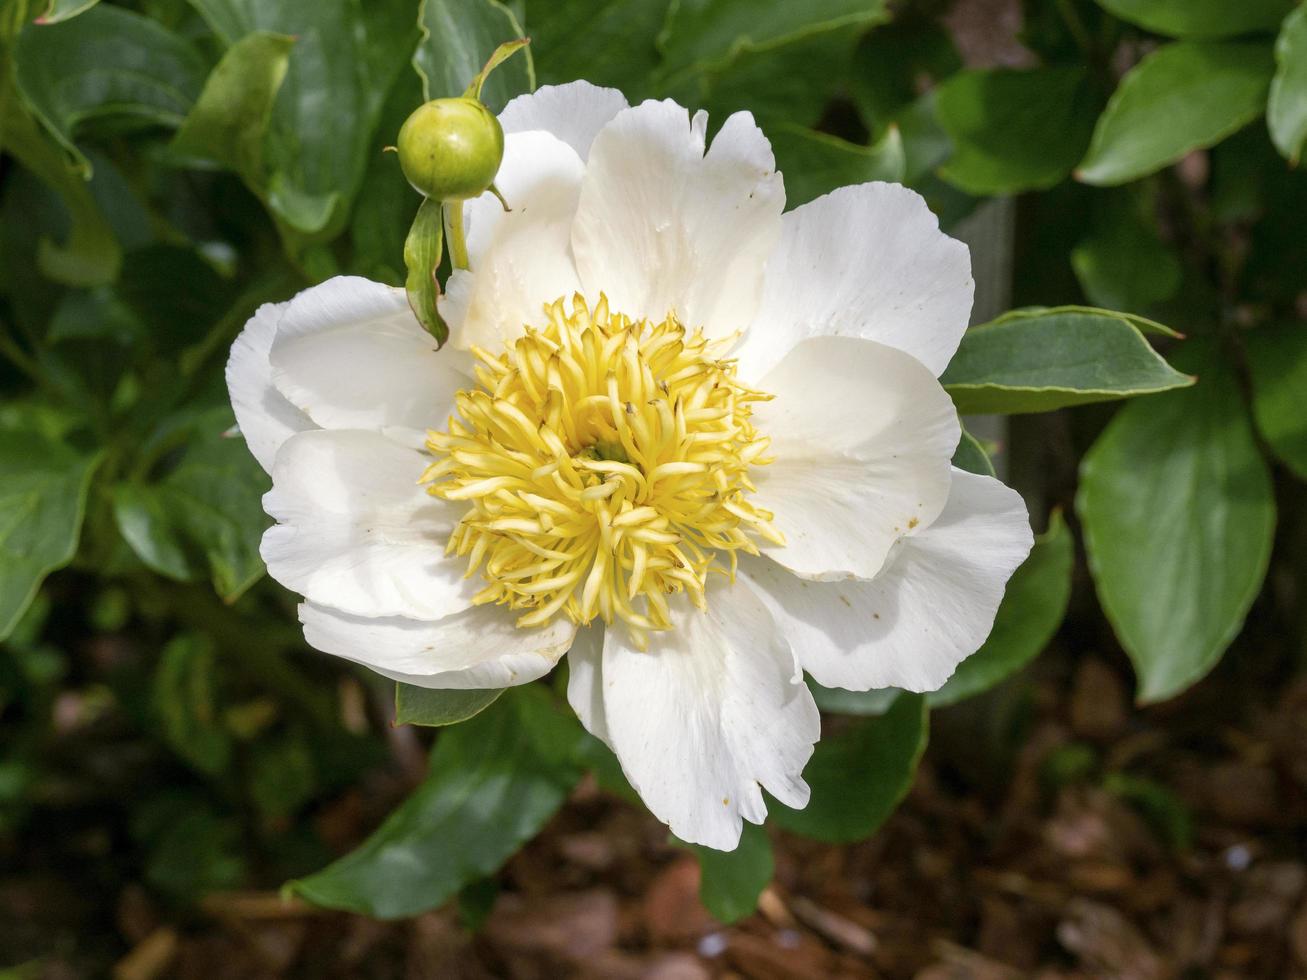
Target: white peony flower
694,441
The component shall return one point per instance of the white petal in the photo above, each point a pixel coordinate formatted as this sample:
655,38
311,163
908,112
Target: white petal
356,531
928,611
475,649
574,112
265,417
584,669
521,259
351,355
713,713
663,228
863,261
862,435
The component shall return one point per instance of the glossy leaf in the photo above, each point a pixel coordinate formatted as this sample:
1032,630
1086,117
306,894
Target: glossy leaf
1124,264
704,34
1032,609
816,163
1184,96
860,775
230,121
494,782
863,704
205,516
426,706
607,42
1286,110
322,131
1277,355
65,10
43,488
731,881
1039,360
1176,505
108,64
458,37
1201,18
971,456
1012,130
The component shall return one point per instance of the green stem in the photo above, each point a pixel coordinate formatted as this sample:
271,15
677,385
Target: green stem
1076,26
454,234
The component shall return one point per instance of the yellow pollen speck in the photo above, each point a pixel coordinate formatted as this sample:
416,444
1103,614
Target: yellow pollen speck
605,462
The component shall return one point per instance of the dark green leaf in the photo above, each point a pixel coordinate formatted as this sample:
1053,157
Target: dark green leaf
864,704
1031,611
890,62
1184,96
1201,18
607,42
971,456
1286,110
43,487
816,163
458,36
1164,811
91,255
110,65
1176,505
859,776
1277,355
494,782
1036,361
1015,130
322,132
230,120
204,515
1123,264
731,881
184,699
706,34
425,706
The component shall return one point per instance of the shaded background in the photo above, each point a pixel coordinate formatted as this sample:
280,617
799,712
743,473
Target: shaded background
170,752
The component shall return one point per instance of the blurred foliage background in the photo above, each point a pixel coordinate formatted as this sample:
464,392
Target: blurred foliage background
170,751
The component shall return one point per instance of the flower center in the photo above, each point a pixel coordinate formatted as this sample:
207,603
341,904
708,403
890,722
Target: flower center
606,464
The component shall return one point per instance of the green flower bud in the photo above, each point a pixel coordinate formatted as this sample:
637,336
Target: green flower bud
450,149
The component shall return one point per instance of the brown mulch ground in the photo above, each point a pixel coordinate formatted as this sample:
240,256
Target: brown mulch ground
1001,864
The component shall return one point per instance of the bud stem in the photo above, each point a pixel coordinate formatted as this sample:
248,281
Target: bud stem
454,233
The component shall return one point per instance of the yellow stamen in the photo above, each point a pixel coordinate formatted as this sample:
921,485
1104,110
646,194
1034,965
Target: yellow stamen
605,461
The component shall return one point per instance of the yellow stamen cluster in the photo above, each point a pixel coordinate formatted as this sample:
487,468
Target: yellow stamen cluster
605,461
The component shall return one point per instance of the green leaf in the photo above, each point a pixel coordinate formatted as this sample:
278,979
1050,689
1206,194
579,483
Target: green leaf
458,37
422,251
229,122
108,65
322,133
1286,109
816,163
1032,609
1200,18
731,881
43,488
1184,96
185,701
426,706
1040,360
206,514
971,456
1176,505
1123,264
65,10
494,782
91,256
864,704
1277,355
706,34
1012,130
860,775
608,42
